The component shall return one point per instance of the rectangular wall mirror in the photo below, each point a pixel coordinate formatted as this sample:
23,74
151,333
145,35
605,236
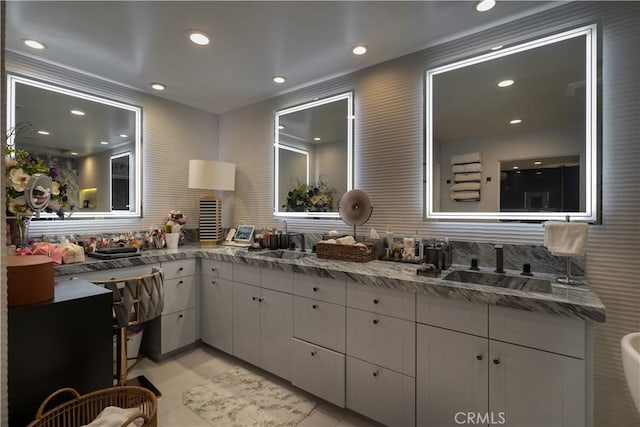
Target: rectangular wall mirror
512,134
95,142
313,152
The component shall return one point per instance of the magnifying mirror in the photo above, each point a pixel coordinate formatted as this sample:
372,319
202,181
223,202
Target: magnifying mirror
38,192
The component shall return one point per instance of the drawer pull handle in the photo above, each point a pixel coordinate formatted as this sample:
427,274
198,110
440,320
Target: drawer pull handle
213,269
260,299
496,361
180,316
376,300
376,373
376,321
180,269
253,298
213,282
314,306
479,356
180,282
313,353
315,289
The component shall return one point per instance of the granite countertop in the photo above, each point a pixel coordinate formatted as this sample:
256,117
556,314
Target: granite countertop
569,301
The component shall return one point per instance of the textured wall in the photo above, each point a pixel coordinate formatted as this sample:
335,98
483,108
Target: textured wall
389,155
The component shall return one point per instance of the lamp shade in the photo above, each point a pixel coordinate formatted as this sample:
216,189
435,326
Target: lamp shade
212,175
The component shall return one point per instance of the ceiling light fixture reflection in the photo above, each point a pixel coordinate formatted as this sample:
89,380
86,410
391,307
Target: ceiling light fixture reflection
537,163
34,44
123,135
104,143
158,86
199,37
359,50
484,5
317,138
516,167
77,112
279,79
73,153
44,132
280,127
506,83
497,47
515,121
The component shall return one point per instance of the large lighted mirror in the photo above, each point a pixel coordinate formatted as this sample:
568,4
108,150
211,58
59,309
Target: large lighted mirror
95,143
313,157
512,134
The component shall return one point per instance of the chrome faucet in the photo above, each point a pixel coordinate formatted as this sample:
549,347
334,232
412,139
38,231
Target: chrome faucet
302,247
499,259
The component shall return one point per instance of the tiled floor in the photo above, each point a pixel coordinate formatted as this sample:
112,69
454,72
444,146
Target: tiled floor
174,376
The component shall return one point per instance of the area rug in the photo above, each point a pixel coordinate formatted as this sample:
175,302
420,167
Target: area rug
241,398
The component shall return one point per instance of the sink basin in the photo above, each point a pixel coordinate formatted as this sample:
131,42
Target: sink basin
285,254
631,363
500,280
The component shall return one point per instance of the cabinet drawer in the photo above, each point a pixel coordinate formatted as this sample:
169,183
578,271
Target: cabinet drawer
380,394
178,330
383,340
457,315
391,302
277,280
246,274
320,288
217,269
538,330
319,322
319,371
181,268
113,273
179,294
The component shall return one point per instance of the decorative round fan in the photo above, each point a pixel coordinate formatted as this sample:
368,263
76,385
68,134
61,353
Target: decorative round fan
355,208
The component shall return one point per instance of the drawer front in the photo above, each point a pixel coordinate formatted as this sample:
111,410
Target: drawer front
319,322
114,273
391,302
383,395
179,294
178,330
277,280
246,274
462,316
181,268
217,269
320,288
319,371
538,330
382,340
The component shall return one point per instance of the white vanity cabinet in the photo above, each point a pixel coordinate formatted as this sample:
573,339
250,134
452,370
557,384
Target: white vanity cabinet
501,363
263,318
216,318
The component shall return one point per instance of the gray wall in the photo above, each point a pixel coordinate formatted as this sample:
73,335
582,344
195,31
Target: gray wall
389,155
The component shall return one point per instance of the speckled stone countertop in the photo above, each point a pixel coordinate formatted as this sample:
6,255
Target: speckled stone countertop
568,301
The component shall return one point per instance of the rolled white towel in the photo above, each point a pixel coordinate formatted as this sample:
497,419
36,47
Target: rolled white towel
466,177
332,241
471,167
347,240
465,158
464,186
465,195
566,238
113,416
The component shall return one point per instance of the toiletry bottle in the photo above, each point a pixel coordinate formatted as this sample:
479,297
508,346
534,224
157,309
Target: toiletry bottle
389,237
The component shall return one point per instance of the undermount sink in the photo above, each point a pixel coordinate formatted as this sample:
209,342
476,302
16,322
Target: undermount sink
500,280
285,254
630,344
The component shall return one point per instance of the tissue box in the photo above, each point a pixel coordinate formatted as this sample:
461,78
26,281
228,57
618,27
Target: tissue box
29,279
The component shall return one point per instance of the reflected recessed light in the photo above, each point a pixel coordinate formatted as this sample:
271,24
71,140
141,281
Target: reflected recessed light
538,173
497,47
73,153
317,138
517,171
484,5
506,83
279,79
43,132
537,163
199,37
34,44
77,112
158,86
281,127
515,121
104,143
359,50
515,167
123,135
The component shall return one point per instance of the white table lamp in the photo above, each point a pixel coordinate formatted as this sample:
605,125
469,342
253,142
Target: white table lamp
211,175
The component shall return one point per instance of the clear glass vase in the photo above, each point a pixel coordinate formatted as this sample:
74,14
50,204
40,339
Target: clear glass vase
18,231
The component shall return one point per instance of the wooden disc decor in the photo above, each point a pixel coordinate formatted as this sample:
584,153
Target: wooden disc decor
355,208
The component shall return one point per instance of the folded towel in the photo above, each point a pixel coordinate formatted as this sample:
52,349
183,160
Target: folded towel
465,195
471,167
566,238
466,177
465,158
347,240
464,186
112,416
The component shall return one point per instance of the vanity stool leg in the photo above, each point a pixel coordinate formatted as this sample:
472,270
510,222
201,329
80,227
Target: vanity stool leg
121,356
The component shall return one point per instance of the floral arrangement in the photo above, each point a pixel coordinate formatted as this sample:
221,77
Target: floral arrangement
20,167
175,223
310,197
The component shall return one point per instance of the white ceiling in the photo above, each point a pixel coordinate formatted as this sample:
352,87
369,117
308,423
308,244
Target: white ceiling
135,43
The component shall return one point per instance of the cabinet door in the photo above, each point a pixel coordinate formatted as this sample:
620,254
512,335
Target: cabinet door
178,330
246,322
451,375
535,388
216,318
277,332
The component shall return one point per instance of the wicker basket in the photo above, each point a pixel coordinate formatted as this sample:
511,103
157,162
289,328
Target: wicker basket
353,253
84,409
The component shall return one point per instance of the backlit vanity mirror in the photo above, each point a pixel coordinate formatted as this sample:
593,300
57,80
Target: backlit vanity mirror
512,134
313,152
95,142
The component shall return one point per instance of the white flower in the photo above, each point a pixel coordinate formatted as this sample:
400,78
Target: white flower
18,206
54,205
19,179
55,188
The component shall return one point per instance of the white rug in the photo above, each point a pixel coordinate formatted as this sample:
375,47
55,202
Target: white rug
241,398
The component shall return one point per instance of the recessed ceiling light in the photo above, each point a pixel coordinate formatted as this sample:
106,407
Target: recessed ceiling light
34,44
484,5
538,173
77,112
317,138
73,153
104,143
199,37
158,86
515,121
279,79
515,167
43,132
506,83
123,135
359,50
537,163
497,47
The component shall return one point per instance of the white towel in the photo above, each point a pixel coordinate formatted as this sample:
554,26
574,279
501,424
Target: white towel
471,167
466,177
566,238
112,416
465,195
464,186
465,158
347,240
